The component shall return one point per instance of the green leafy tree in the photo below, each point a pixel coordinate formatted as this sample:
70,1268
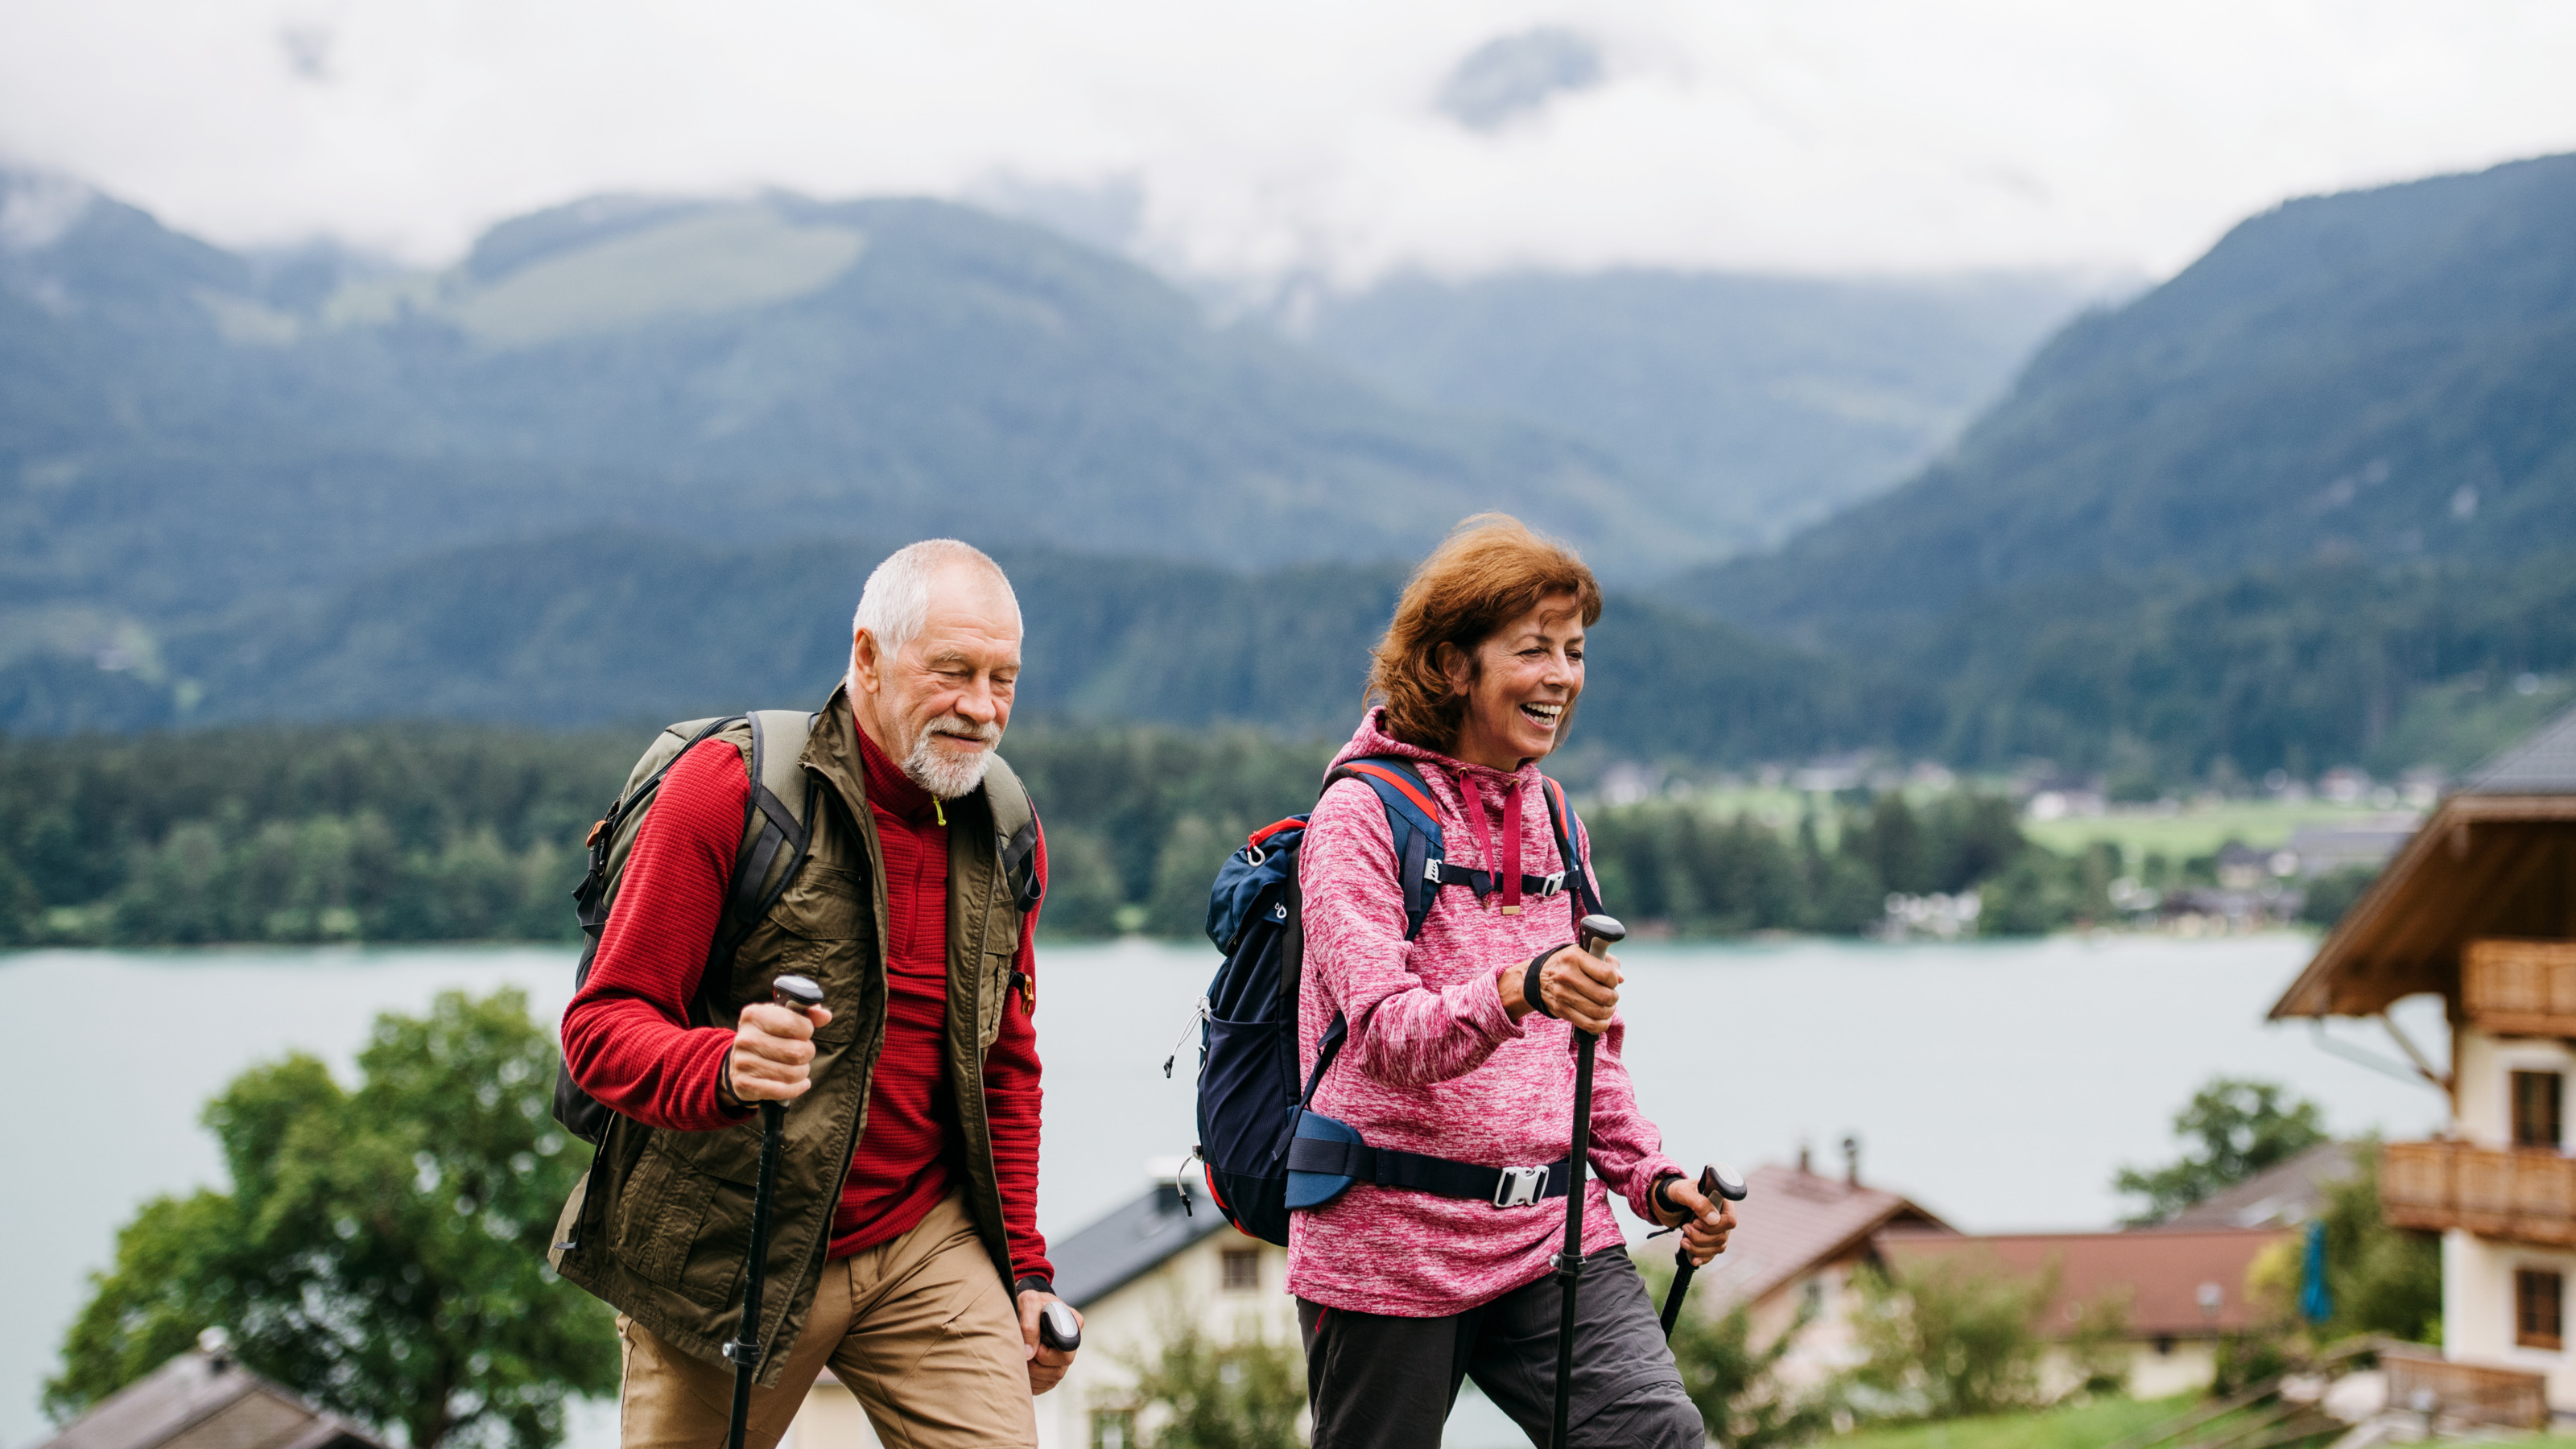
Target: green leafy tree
1243,1394
2384,1279
1735,1381
2240,1127
382,1250
1951,1338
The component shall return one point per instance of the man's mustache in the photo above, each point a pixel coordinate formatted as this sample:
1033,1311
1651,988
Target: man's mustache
959,727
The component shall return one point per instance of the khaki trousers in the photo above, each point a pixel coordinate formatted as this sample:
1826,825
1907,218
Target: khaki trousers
920,1329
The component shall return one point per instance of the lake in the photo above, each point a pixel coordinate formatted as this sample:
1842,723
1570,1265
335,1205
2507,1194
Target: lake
1999,1085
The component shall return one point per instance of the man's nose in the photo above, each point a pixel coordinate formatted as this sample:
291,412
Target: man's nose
978,703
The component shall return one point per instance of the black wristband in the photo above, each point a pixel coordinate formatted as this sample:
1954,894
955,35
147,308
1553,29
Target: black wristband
1663,1200
1032,1284
1529,982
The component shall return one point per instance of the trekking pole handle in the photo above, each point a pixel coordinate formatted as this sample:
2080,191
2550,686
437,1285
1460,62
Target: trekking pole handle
1594,931
1058,1329
796,993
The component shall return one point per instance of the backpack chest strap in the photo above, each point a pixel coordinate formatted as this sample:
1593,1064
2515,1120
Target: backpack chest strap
1485,882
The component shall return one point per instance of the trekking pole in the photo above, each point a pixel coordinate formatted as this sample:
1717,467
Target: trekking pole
798,994
1715,1181
1588,932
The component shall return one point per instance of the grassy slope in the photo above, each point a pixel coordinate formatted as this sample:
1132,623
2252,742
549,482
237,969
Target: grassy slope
2081,1426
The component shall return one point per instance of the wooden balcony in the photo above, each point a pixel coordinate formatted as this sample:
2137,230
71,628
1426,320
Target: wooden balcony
2519,988
2526,1195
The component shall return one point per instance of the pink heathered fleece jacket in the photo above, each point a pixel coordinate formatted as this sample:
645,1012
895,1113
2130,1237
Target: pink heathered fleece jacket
1434,1063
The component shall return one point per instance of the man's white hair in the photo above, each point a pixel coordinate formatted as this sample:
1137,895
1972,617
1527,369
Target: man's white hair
896,602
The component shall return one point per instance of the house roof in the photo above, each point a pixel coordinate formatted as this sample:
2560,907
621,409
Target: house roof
1793,1222
2497,859
208,1401
2286,1194
1129,1241
2179,1283
2542,762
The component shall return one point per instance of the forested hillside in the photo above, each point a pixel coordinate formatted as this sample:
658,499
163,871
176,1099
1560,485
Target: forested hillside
633,627
2311,503
419,833
2379,375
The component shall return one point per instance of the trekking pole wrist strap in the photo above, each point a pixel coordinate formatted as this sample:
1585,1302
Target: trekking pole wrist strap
1529,980
1662,1200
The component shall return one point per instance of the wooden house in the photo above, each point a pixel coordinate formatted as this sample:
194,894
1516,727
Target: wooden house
1800,1237
2479,908
207,1400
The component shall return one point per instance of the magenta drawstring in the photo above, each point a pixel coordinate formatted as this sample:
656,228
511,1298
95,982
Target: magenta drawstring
1506,869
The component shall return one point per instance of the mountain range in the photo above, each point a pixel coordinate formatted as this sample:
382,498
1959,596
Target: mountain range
2313,501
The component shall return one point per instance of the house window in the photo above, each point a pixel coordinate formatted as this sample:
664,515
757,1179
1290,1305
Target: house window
2536,1098
1113,1429
2537,1294
1242,1270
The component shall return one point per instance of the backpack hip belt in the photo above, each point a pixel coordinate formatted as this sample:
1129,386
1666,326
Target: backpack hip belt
1352,1160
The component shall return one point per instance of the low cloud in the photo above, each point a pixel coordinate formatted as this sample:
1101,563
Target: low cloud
1514,75
1336,140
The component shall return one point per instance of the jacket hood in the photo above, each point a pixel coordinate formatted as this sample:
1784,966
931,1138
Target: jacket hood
1371,738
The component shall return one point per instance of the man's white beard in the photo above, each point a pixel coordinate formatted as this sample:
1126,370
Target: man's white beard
944,774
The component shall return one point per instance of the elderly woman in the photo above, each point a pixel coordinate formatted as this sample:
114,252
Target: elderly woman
1401,1293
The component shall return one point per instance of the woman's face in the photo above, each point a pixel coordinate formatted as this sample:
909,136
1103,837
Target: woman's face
1520,685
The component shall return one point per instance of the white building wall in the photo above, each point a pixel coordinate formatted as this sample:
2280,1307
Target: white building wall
2483,1068
2477,1273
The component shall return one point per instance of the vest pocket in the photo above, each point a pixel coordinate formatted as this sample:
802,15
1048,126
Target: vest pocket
658,1215
997,994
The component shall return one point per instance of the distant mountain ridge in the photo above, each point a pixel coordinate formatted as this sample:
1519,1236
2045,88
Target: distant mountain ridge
2378,375
1761,403
745,370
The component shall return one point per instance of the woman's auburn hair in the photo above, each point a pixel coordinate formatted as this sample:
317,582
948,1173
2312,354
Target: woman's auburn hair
1490,570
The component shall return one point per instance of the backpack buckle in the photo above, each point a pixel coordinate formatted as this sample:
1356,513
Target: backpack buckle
1520,1186
1551,884
1431,871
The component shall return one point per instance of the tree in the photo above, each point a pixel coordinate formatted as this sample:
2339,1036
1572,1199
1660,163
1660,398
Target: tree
1952,1337
381,1251
2384,1280
2242,1127
1246,1394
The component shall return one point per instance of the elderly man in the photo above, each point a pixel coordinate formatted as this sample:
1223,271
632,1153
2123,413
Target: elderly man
909,1171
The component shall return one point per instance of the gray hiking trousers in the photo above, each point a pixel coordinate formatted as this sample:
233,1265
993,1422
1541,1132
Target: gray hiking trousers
1376,1382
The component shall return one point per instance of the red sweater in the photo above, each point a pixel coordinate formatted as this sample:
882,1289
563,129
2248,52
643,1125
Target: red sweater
627,1038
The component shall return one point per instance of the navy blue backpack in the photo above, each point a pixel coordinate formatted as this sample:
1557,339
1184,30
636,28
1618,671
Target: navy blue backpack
1250,1098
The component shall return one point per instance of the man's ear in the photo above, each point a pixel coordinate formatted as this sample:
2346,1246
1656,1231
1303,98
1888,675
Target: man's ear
864,670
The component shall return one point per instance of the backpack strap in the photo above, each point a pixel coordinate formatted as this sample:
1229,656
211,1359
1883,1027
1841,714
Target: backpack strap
1015,833
776,836
1414,822
1574,847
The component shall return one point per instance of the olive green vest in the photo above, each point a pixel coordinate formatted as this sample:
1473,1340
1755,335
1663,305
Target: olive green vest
661,1225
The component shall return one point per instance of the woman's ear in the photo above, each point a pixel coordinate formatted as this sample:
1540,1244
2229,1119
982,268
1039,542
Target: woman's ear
1455,666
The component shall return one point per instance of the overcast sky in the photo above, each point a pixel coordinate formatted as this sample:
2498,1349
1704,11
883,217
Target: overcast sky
1321,136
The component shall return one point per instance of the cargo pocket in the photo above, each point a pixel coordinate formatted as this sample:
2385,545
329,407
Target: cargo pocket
712,1272
658,1217
823,925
